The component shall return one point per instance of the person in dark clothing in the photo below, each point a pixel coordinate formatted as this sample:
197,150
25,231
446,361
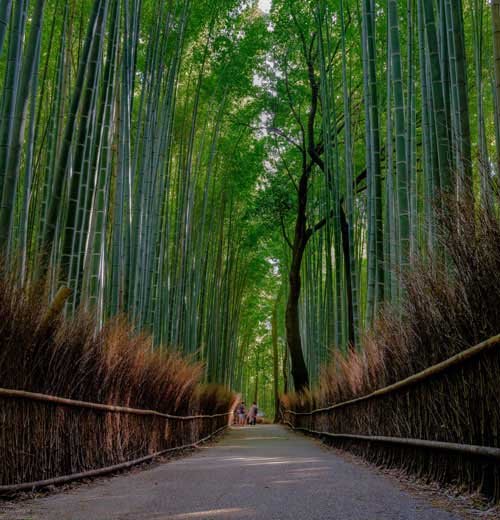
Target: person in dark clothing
252,414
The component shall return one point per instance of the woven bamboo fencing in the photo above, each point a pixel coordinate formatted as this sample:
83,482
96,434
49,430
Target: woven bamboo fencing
442,423
47,440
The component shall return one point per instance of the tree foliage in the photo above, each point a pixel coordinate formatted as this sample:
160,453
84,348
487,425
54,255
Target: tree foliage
199,165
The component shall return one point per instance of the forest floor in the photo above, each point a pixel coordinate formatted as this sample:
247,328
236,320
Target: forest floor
261,472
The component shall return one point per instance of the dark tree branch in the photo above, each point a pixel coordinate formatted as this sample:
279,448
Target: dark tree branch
319,225
312,112
289,173
287,138
312,53
291,103
285,235
322,223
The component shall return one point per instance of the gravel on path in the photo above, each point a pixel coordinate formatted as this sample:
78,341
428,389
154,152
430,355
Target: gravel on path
256,472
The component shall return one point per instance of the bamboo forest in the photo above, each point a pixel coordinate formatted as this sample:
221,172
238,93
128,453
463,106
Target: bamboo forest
217,214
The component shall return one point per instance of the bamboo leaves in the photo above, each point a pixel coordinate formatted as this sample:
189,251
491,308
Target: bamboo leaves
171,161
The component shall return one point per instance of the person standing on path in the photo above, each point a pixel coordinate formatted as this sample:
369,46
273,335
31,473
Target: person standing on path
241,414
252,414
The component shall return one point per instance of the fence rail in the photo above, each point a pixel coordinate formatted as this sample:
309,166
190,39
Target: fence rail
443,422
434,370
21,394
77,436
28,486
466,449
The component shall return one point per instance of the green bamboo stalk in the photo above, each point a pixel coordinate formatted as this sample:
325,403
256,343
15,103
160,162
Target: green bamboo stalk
441,173
375,225
54,207
495,18
428,142
28,72
23,237
103,165
401,136
391,253
54,132
463,116
483,161
411,131
9,91
76,193
5,10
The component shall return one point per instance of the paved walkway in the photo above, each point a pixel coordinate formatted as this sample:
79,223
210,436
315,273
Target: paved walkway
261,472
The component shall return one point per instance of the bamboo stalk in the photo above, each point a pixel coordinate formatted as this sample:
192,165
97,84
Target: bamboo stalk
495,17
4,20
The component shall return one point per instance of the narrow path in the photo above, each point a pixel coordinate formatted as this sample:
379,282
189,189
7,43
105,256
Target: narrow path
261,472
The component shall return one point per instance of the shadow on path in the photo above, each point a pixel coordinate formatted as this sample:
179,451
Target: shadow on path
259,472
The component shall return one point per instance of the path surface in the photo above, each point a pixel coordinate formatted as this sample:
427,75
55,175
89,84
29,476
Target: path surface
261,472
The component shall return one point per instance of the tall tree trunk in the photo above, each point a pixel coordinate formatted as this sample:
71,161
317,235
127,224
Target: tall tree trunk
299,370
292,322
349,277
256,386
285,371
274,326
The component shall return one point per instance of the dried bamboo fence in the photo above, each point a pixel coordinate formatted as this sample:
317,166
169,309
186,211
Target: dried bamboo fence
47,440
442,423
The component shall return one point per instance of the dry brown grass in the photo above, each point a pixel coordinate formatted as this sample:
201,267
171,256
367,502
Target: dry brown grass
450,305
68,358
452,302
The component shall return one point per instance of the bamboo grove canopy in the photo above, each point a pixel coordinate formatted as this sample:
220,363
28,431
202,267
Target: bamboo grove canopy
236,176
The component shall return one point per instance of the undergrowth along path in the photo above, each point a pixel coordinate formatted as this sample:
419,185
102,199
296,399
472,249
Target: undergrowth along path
261,472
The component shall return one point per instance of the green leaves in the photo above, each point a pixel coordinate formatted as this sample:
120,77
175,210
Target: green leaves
160,156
